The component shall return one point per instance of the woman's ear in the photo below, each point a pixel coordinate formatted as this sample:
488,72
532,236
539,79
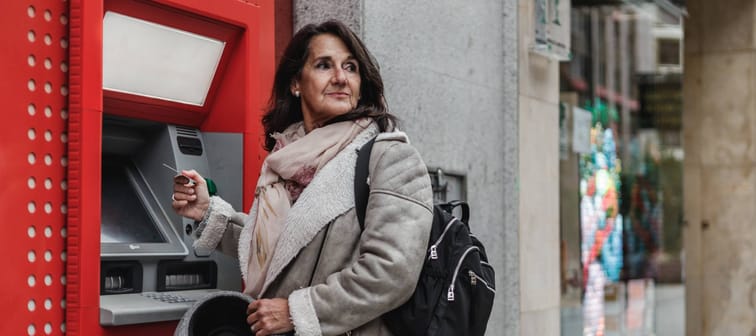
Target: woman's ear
294,88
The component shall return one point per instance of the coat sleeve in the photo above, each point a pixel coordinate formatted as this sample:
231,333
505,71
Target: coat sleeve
219,229
391,250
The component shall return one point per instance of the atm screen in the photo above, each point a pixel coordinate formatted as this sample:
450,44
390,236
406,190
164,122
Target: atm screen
133,221
125,219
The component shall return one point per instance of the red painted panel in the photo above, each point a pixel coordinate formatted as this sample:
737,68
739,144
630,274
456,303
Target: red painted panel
85,126
33,163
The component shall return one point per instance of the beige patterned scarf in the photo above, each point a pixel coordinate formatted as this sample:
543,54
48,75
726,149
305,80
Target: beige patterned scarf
295,160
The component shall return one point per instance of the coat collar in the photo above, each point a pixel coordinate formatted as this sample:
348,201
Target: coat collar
328,196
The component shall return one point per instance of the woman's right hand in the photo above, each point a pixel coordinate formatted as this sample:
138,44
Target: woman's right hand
191,200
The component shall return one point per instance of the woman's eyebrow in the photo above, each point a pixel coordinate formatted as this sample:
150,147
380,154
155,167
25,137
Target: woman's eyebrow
330,58
323,58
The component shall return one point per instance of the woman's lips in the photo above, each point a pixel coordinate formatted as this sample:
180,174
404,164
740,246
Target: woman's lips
338,94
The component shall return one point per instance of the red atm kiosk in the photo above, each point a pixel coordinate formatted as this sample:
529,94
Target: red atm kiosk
155,84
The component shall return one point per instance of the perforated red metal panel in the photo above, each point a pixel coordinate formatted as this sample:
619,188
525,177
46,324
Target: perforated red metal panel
33,162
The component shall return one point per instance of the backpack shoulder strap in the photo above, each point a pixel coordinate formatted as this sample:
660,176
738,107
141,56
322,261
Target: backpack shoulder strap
451,205
361,186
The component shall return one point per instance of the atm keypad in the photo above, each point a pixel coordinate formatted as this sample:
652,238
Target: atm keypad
168,297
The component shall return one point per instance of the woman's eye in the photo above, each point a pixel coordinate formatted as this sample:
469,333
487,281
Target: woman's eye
322,65
351,67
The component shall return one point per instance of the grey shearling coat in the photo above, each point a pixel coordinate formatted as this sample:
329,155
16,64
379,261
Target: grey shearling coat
338,278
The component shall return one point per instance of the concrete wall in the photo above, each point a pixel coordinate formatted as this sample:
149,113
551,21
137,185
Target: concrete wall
539,184
719,92
451,73
315,11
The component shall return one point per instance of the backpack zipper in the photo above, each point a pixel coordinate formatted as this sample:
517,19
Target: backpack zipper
434,247
450,293
474,278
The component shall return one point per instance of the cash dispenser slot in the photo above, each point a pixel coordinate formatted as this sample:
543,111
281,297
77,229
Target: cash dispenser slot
181,275
120,277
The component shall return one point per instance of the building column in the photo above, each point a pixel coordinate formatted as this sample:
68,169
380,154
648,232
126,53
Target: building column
538,189
720,167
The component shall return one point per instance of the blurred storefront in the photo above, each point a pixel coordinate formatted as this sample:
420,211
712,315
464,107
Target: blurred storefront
620,164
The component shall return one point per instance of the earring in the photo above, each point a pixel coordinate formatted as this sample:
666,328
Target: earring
296,94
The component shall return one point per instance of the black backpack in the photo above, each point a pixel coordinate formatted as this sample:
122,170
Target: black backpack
455,291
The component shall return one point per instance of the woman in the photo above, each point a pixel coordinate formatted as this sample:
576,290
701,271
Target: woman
302,253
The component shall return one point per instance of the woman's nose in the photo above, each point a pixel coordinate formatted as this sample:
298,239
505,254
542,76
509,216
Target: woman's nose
339,76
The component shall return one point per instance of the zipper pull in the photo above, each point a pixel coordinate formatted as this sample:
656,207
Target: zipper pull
434,253
473,278
450,293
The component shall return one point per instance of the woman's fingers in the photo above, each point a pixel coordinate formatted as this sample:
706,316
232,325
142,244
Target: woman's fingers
252,314
252,306
190,197
194,176
269,317
183,189
180,196
251,320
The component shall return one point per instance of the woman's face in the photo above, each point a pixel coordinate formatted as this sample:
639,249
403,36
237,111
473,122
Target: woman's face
329,84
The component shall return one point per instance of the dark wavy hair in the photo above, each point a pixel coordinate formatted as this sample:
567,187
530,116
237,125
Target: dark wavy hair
284,109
